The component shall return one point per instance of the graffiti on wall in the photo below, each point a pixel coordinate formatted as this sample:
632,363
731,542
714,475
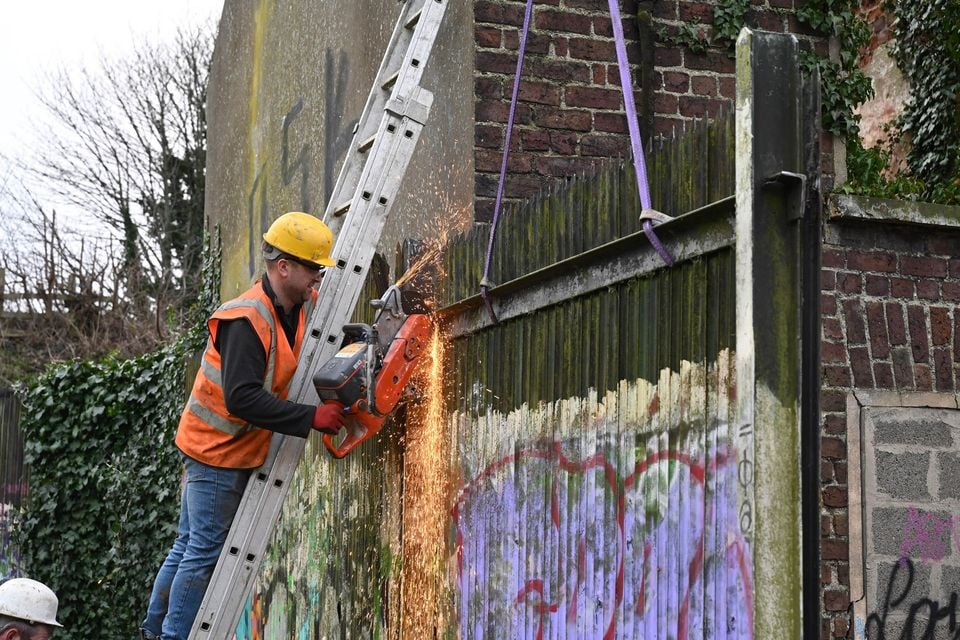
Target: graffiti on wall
632,534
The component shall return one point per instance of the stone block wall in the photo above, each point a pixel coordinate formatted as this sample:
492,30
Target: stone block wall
570,110
890,283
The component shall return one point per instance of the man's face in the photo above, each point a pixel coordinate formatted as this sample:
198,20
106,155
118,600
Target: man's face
39,632
300,280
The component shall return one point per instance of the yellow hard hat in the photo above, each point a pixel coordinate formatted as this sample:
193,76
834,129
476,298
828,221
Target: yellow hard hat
302,236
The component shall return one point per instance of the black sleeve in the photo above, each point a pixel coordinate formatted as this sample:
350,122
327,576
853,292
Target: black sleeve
242,366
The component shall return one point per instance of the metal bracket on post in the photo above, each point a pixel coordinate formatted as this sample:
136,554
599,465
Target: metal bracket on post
791,182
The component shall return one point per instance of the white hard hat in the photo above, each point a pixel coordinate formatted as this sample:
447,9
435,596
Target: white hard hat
29,600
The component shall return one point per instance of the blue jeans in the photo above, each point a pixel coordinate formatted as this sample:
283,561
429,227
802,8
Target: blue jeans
211,497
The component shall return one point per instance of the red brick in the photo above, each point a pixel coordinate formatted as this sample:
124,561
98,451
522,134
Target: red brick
490,160
531,140
561,166
604,146
663,57
562,21
599,72
877,326
676,82
536,42
710,61
919,336
728,88
832,328
928,289
923,377
668,127
901,287
588,49
828,280
943,368
883,375
499,111
841,527
835,424
951,291
666,103
572,119
564,142
695,12
767,20
603,26
834,600
826,528
955,268
666,10
592,97
841,625
853,318
548,69
826,472
861,367
840,472
833,448
487,37
849,282
611,122
488,135
902,368
833,258
561,47
488,87
833,401
834,550
923,266
704,85
496,62
872,261
539,92
877,286
517,186
828,304
483,209
940,325
697,107
895,325
486,11
836,376
833,352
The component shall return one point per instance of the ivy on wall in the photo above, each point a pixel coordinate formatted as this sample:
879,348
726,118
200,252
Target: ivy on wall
104,476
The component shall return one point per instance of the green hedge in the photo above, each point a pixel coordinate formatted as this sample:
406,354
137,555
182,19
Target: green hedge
105,477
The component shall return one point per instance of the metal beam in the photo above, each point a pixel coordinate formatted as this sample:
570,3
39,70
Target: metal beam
688,236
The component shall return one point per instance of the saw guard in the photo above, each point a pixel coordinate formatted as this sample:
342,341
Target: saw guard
399,365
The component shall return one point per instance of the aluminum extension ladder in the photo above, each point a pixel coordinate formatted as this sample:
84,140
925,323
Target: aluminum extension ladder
383,143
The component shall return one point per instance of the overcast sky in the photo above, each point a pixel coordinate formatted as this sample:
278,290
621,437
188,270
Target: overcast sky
38,36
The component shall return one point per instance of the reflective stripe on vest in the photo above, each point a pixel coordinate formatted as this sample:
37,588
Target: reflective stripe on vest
215,377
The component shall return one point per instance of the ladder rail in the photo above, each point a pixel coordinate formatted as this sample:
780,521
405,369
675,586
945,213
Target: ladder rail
379,169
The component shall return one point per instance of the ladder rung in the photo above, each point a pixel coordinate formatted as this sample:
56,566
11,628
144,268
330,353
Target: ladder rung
342,209
366,144
391,79
414,19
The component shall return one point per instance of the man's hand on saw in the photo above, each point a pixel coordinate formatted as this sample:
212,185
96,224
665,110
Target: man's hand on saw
328,418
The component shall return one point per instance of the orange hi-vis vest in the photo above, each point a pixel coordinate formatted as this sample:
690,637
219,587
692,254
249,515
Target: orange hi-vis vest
208,432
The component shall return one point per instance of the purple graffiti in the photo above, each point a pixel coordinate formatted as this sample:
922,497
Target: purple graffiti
552,546
923,533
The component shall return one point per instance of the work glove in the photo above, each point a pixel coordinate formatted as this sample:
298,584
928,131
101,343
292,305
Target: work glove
328,418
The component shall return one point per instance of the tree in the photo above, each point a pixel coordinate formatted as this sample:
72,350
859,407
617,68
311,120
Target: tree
127,144
124,148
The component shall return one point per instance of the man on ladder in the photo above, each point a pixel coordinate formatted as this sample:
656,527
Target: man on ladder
238,399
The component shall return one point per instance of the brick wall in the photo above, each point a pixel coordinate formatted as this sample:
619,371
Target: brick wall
888,301
570,111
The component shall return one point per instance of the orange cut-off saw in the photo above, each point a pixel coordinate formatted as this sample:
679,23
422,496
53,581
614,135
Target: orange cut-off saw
371,373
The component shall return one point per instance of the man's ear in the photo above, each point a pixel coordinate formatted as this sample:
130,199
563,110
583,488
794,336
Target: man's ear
10,634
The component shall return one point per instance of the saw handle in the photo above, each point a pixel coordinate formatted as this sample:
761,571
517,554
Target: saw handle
360,425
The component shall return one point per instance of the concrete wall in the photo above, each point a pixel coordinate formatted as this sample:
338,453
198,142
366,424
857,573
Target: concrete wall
288,82
891,368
